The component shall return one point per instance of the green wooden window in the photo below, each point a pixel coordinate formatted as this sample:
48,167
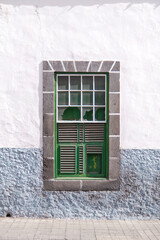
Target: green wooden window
81,125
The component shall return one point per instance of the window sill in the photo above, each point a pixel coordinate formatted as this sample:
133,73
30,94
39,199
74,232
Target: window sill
80,178
81,185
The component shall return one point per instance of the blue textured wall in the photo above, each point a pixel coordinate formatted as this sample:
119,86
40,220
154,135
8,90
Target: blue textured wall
21,189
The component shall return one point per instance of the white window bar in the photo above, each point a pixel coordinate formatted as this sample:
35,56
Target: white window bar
69,101
93,98
81,101
57,100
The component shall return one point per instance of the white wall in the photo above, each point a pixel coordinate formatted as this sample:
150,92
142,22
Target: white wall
128,31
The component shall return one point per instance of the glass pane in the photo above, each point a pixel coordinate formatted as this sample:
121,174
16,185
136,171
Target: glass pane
60,113
63,98
87,98
100,82
87,82
99,98
100,114
88,114
75,82
75,98
69,113
63,83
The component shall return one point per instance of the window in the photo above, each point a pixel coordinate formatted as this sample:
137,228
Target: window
81,125
81,134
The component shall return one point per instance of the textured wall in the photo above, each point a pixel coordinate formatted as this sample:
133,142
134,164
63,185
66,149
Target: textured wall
21,189
35,30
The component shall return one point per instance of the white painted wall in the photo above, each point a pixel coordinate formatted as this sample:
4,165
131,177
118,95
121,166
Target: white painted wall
35,30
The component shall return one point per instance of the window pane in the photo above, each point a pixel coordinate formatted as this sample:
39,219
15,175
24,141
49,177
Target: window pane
87,82
87,98
75,98
75,82
99,98
88,114
63,98
63,83
100,114
99,82
69,113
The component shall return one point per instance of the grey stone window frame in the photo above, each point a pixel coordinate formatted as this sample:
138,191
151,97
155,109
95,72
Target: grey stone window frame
113,69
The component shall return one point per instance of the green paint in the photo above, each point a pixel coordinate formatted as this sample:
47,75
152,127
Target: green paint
88,114
55,129
71,113
100,114
106,132
94,165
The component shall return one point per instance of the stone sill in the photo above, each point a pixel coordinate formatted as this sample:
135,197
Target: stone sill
81,185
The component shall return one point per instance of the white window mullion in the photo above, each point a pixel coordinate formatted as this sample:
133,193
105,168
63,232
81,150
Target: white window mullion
93,98
57,100
81,100
69,102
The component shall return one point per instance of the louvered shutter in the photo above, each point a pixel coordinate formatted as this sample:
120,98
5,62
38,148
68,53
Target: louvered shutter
67,159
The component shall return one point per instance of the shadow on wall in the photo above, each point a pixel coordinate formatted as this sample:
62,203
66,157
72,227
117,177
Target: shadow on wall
73,3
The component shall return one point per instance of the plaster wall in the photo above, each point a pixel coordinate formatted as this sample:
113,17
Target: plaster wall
123,30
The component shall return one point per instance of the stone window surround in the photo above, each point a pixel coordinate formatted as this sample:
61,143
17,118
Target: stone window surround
49,182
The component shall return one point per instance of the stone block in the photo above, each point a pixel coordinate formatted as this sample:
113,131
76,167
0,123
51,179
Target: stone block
114,168
116,67
114,145
114,125
106,66
57,66
48,147
48,104
48,81
114,103
62,185
48,125
69,66
48,168
94,66
114,84
46,66
100,185
81,66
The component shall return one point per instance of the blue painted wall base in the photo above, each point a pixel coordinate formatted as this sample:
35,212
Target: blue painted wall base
21,192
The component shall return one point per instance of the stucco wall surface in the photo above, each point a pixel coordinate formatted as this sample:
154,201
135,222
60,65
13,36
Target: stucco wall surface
34,30
21,191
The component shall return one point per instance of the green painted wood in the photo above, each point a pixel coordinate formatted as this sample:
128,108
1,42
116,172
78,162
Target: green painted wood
101,160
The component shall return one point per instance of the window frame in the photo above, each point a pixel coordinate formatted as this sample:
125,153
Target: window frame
49,180
105,144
